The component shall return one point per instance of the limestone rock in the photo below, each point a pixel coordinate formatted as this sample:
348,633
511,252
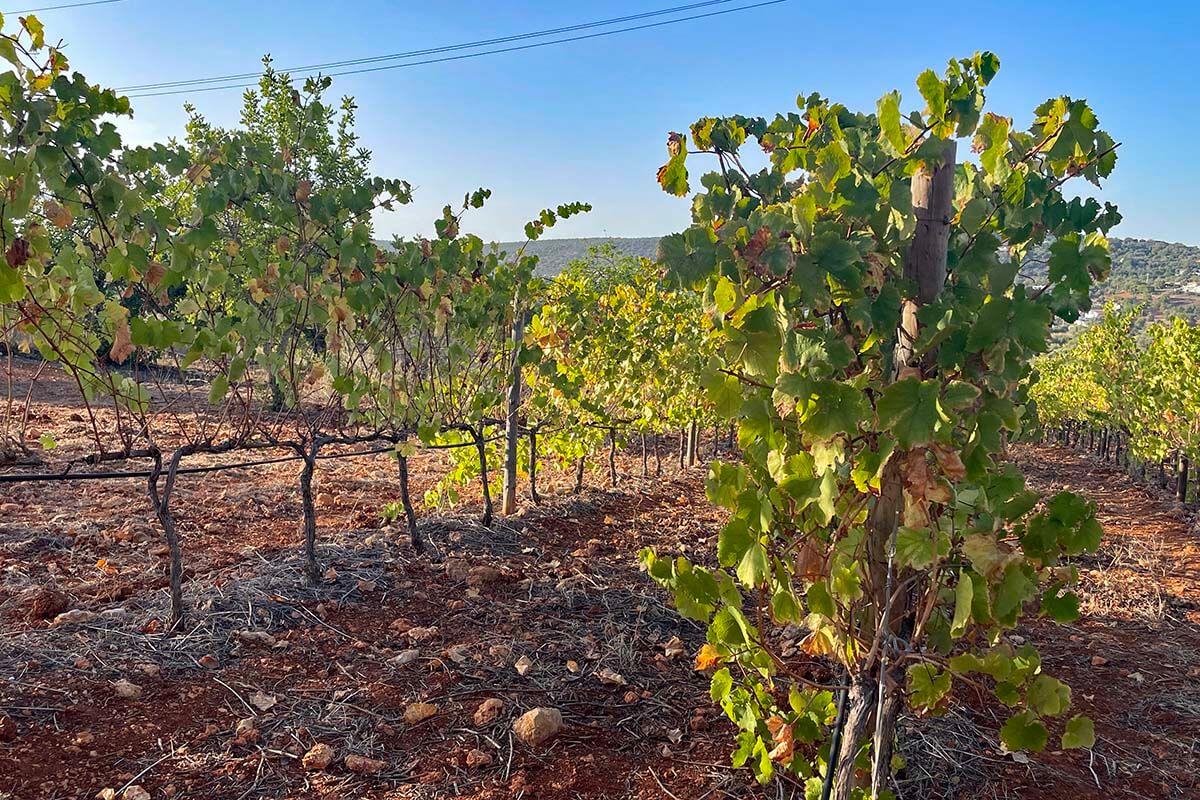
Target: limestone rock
127,690
419,712
538,726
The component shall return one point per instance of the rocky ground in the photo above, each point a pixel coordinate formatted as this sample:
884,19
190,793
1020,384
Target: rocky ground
529,660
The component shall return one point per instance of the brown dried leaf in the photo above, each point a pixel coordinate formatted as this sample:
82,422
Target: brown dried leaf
673,647
122,345
59,215
810,561
674,143
611,677
17,253
950,460
155,273
781,734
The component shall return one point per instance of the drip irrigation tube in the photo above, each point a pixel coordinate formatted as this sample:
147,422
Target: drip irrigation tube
52,477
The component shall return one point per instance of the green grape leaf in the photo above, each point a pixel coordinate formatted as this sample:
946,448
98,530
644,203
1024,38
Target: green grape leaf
927,686
835,409
869,464
964,594
1012,592
733,542
819,600
1023,731
888,110
1048,696
673,176
934,92
909,410
721,685
1079,732
724,295
917,548
1062,608
754,567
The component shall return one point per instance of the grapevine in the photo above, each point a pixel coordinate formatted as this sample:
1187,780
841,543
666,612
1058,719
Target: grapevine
874,340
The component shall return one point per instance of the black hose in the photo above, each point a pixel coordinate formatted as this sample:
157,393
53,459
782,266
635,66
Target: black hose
50,477
835,744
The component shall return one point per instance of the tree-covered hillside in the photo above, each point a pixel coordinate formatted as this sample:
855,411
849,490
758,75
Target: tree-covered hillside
555,254
1138,264
1165,276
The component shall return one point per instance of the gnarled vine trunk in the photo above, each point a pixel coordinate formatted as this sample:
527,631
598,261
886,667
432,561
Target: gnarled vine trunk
312,569
481,449
410,514
162,509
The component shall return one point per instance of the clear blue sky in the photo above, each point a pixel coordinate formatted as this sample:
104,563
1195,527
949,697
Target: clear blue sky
587,121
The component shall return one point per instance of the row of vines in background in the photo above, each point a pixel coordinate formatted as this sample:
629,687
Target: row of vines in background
1130,398
226,293
610,358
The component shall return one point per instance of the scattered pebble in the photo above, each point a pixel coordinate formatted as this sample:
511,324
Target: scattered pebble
319,757
363,765
488,711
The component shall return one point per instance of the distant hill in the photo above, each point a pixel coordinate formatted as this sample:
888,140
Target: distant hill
1163,275
554,254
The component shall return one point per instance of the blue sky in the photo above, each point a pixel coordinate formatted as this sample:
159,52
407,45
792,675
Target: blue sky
588,120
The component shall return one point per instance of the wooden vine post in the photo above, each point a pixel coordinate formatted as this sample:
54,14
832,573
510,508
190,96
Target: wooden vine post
612,457
1181,484
512,430
874,687
533,465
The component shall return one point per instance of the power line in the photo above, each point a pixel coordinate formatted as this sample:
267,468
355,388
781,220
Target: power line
496,51
65,5
427,51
